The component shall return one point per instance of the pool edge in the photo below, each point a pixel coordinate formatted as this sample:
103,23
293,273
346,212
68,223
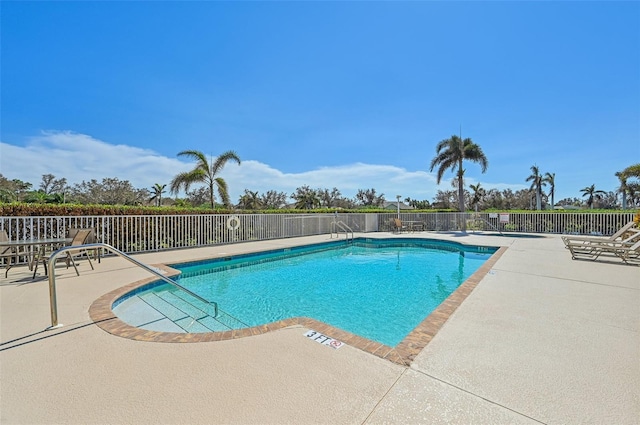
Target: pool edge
403,354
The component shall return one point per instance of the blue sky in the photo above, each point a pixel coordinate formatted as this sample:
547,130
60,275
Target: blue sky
351,95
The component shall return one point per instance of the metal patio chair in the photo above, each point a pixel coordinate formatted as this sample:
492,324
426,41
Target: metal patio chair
80,238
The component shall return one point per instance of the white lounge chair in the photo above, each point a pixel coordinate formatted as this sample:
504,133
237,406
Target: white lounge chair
628,254
590,249
580,245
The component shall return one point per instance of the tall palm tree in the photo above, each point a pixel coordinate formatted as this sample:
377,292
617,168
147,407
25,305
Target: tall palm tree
592,193
205,172
623,187
536,184
157,190
450,154
551,179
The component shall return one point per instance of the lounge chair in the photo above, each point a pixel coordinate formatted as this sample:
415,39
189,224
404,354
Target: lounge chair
590,249
628,254
627,235
80,238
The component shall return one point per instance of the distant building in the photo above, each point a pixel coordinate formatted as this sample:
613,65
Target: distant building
394,206
567,207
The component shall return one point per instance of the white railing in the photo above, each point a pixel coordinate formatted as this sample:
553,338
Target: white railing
146,233
533,222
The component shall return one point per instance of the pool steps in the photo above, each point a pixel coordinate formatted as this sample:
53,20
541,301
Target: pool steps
175,311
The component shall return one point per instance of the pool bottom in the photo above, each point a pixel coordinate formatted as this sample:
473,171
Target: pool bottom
101,313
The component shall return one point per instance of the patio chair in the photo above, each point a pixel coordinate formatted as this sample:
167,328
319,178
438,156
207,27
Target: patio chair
80,238
398,225
8,253
91,238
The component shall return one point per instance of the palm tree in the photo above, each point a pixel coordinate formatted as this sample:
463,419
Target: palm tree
205,172
478,194
623,187
306,198
632,171
450,153
592,193
536,184
634,198
37,197
551,179
157,190
633,186
250,200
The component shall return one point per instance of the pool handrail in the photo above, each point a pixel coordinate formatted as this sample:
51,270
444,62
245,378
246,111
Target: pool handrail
52,277
343,226
490,224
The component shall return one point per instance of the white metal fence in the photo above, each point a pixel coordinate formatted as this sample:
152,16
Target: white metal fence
143,233
533,222
133,234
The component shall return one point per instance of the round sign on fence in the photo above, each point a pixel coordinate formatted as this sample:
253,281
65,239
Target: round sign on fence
233,223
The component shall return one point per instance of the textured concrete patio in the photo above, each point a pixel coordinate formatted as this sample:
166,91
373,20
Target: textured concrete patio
541,339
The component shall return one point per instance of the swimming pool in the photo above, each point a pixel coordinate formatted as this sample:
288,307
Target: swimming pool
380,289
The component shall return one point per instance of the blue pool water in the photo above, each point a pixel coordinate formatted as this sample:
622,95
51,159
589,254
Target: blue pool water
378,289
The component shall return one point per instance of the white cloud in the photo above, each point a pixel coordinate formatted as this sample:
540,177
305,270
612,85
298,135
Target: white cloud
79,157
385,179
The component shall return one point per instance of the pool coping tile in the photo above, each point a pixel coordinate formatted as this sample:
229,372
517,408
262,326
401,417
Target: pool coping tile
403,354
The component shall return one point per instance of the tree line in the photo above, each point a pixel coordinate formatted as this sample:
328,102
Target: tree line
451,154
113,191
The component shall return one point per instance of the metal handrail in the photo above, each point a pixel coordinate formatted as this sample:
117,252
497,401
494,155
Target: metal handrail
489,223
52,276
343,226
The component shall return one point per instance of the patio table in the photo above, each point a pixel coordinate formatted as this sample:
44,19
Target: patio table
414,225
31,243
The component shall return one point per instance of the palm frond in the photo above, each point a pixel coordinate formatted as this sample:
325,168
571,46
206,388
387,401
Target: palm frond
222,191
474,153
196,155
221,161
186,179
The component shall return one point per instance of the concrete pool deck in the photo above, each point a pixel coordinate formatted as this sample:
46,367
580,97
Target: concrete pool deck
541,339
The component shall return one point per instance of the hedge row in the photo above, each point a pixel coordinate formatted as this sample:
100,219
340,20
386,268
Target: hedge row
17,209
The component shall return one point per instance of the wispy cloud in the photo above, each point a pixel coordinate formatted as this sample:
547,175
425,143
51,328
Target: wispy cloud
79,157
